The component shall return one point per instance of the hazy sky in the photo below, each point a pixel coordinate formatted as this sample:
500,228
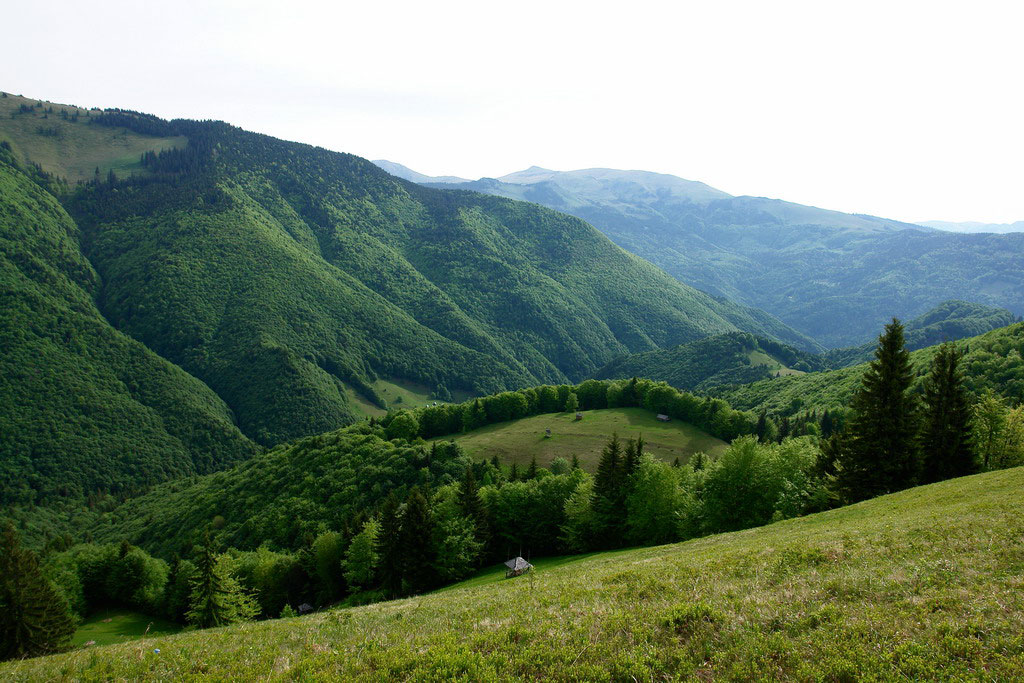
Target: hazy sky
901,109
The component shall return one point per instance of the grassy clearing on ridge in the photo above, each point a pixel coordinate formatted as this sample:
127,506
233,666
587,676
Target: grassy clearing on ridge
519,441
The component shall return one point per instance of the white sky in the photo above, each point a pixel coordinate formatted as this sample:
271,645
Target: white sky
905,110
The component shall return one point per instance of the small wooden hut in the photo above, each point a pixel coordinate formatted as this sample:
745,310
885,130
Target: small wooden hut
664,418
516,567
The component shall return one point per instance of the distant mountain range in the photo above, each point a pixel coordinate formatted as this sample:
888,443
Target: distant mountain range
833,276
974,227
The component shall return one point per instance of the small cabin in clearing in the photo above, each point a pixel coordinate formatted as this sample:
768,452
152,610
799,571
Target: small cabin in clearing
516,567
664,418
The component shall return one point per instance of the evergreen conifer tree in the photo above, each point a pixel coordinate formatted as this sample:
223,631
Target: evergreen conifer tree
946,447
531,471
881,453
34,618
417,545
389,549
827,424
217,599
513,472
610,494
575,461
762,426
472,506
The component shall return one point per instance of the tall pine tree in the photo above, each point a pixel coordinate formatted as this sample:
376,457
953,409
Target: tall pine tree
417,544
34,618
609,501
946,447
217,599
881,454
472,506
389,547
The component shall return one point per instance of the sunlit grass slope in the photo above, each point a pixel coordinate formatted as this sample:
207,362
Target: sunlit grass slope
924,584
74,149
521,440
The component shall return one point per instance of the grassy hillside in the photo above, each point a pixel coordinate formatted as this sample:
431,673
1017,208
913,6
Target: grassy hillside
84,408
522,440
834,277
59,138
923,584
993,361
291,280
723,359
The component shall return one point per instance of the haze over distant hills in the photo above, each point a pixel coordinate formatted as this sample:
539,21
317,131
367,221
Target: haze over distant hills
975,227
834,276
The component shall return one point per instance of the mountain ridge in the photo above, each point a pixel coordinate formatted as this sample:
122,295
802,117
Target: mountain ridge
825,273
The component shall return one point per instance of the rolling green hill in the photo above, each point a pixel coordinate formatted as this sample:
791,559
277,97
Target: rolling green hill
292,280
993,361
522,440
834,277
731,358
83,407
921,585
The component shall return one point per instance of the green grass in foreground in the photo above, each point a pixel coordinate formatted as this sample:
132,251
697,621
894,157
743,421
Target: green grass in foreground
921,585
519,441
118,626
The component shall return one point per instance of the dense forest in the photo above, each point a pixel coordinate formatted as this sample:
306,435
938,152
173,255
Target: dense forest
83,407
949,321
732,358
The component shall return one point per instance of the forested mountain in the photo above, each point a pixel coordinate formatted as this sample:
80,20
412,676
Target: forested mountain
83,407
731,358
992,361
949,321
835,277
289,278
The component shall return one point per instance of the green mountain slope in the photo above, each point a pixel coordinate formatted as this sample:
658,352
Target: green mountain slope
949,321
288,277
84,408
731,358
832,276
921,585
993,361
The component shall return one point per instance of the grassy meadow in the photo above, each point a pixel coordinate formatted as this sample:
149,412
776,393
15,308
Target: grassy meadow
923,584
519,441
119,626
74,150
